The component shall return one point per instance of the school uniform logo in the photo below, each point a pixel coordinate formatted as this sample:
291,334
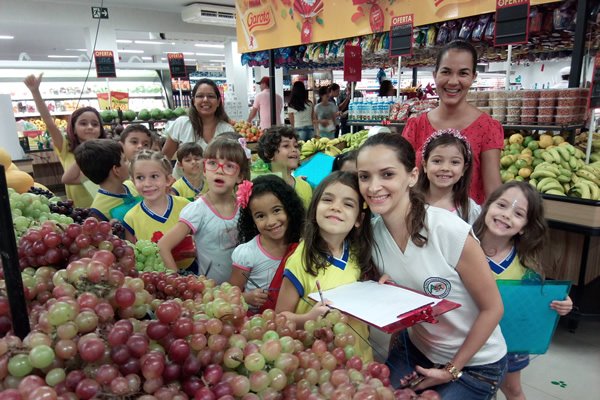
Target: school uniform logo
437,287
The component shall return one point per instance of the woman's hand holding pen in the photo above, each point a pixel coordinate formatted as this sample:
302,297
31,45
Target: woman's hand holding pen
319,309
256,297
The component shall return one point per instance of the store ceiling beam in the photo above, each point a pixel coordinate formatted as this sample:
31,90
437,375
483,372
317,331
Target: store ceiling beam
578,44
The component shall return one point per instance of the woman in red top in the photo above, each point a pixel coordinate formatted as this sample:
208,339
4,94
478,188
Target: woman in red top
455,71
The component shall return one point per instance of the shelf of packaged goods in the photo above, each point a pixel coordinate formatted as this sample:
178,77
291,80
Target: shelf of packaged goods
93,97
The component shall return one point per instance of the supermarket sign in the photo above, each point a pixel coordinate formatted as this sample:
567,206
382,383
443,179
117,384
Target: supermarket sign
401,35
512,22
272,24
105,64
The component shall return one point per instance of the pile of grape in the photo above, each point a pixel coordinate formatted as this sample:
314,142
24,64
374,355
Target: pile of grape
66,208
147,258
29,210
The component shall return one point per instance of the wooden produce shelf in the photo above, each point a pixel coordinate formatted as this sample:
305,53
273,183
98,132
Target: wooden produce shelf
572,210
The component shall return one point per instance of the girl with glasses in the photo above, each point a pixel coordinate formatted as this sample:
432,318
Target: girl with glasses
213,218
206,120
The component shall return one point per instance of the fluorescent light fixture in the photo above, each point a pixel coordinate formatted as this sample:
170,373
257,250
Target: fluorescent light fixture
76,49
148,42
210,55
131,51
217,61
189,60
6,37
163,59
185,53
213,46
57,56
147,58
124,41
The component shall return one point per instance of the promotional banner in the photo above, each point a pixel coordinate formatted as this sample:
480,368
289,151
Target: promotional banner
271,24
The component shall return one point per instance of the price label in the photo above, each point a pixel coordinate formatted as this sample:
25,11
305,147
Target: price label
105,64
177,65
512,22
401,35
352,63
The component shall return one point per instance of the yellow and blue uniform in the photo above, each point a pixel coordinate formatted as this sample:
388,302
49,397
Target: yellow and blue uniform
107,205
141,222
304,191
81,195
340,271
184,188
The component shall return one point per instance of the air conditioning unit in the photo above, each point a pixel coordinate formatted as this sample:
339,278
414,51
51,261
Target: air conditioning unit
208,14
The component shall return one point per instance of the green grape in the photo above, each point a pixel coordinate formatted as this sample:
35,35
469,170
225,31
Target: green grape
41,356
19,365
55,376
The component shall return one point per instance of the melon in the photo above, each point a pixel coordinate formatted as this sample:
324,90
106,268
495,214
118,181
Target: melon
5,159
21,181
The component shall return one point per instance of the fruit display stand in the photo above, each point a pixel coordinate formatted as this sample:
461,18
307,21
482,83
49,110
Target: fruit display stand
574,251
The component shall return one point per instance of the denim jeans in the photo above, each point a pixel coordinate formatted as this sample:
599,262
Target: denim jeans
479,382
305,132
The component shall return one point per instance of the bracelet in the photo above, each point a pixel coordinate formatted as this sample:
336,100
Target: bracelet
455,372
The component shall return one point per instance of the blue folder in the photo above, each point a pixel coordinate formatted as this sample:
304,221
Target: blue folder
315,169
528,322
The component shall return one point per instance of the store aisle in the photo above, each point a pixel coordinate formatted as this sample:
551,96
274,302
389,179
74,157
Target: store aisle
573,361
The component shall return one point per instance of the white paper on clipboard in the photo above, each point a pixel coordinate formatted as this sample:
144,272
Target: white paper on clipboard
374,303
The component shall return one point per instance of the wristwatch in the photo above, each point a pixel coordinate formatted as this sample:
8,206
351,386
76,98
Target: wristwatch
455,372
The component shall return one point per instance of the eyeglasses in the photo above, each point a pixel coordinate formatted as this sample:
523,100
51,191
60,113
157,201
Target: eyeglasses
228,167
205,96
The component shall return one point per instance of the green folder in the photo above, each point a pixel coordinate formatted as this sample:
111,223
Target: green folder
528,322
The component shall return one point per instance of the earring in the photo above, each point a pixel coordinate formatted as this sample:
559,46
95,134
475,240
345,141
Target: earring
365,206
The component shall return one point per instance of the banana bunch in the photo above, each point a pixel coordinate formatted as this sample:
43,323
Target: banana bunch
40,125
315,145
354,140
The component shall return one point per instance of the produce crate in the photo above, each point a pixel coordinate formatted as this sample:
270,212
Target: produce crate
572,210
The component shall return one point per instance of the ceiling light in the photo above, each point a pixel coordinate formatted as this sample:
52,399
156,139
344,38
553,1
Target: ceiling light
189,60
76,49
124,41
147,58
185,53
131,51
210,55
163,59
214,46
148,42
7,37
217,61
57,56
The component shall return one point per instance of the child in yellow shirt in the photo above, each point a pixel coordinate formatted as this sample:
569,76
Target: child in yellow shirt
104,163
191,184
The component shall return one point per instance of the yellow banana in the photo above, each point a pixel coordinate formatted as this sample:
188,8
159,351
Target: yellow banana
555,192
542,183
584,190
548,166
547,156
543,173
588,175
564,153
573,163
533,182
566,186
578,153
555,154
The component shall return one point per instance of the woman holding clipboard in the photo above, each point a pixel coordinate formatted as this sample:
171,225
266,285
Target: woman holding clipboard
431,250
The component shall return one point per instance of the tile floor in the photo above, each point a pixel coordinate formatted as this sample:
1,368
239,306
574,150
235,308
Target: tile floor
573,359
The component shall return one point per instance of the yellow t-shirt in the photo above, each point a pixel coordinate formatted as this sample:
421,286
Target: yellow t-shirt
510,268
329,278
184,188
105,202
141,222
304,191
81,196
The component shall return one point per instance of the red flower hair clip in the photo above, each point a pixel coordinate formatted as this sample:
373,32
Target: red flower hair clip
243,193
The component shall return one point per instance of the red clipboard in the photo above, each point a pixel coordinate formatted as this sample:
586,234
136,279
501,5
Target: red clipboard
427,312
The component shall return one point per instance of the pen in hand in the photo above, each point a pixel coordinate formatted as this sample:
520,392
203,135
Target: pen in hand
321,297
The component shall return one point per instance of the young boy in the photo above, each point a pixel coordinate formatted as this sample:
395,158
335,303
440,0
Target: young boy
134,138
191,184
103,161
279,146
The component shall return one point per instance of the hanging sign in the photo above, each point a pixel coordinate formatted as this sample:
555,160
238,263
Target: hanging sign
105,64
512,22
595,89
401,35
177,65
352,63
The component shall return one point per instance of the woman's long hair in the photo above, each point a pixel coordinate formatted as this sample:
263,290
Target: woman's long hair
299,97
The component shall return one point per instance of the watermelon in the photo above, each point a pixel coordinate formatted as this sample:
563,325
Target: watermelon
129,115
180,111
144,115
106,115
156,113
168,113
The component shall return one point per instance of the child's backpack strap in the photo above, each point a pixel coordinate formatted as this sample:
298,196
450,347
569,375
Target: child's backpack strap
277,280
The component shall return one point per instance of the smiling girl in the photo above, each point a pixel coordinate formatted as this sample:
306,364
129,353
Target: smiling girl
454,74
84,124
